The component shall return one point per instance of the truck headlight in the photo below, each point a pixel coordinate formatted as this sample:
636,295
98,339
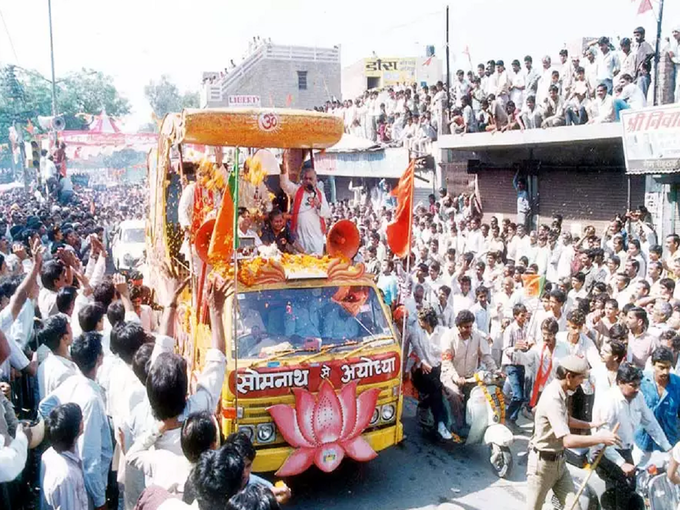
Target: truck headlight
247,430
266,433
387,412
375,417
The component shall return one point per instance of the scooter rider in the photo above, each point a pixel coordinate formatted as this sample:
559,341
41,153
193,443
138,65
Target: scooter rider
546,466
462,352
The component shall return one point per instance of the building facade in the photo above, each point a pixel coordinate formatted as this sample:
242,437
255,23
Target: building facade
280,76
381,72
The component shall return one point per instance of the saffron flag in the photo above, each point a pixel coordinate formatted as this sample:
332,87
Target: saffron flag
223,240
427,62
645,5
533,285
399,229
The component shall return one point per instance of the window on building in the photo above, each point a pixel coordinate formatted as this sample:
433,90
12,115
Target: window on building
302,80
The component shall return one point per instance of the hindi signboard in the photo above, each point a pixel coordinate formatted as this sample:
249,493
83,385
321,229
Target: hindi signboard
244,101
651,139
391,70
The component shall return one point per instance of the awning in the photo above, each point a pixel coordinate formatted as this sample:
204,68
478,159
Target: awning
589,133
381,164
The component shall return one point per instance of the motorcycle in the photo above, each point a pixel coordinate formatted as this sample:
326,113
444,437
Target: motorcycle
485,421
652,484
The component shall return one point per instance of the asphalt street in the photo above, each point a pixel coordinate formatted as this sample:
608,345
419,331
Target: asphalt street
420,474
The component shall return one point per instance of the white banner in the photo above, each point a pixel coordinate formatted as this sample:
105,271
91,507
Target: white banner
651,139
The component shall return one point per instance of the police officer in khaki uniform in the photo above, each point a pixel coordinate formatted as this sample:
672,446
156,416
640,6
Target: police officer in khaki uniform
546,466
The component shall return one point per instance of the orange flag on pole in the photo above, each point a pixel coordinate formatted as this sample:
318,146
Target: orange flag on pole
399,229
645,5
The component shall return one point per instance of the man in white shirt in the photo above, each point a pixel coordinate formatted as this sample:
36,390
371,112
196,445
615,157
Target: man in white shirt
602,107
167,382
95,446
625,405
13,454
631,93
427,340
57,336
245,231
310,210
53,276
674,54
63,484
462,352
545,80
517,85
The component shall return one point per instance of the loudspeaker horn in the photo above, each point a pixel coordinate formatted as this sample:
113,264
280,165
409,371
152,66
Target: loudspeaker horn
343,240
58,123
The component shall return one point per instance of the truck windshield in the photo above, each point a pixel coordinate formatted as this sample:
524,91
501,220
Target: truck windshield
278,320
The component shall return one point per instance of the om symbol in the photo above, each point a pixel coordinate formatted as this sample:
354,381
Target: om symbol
268,121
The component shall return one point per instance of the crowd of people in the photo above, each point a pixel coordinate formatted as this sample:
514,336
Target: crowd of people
588,88
607,298
81,359
593,314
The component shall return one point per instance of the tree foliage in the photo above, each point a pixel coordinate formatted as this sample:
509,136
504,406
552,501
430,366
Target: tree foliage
25,95
164,97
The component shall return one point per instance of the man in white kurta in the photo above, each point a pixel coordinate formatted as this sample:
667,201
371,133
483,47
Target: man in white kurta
309,212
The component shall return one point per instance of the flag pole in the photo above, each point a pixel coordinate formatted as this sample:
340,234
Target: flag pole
234,307
408,272
656,53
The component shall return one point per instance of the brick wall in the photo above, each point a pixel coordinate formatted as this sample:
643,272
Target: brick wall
666,81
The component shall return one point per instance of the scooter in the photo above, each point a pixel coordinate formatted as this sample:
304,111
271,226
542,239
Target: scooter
485,415
485,421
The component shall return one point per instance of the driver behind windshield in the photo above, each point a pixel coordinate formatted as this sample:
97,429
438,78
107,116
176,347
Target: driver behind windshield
302,319
339,323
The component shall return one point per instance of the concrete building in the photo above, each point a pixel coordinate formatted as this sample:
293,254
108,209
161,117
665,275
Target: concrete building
379,72
277,76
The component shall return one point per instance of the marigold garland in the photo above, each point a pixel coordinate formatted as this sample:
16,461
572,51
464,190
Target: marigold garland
497,405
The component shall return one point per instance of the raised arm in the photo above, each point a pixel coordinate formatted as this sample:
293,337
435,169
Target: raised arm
19,298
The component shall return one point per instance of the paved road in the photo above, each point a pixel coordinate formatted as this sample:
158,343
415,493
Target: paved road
418,474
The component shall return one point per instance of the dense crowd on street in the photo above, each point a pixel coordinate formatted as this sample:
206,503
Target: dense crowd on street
588,88
594,314
89,357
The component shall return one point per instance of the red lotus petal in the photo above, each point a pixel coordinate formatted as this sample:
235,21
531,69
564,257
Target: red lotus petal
348,406
297,462
365,407
327,419
359,449
328,457
304,405
284,417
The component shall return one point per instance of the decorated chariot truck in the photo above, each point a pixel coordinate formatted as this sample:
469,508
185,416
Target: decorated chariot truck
313,362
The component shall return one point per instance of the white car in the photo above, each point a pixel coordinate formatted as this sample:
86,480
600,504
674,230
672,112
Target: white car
129,245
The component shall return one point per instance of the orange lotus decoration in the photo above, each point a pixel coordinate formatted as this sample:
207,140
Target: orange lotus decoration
326,428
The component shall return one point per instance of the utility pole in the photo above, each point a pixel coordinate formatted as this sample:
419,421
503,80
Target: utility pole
54,79
448,71
657,57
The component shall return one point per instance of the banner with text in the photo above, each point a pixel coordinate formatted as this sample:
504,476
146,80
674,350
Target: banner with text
651,139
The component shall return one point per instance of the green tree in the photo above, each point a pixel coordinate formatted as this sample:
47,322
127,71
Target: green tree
25,95
164,97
